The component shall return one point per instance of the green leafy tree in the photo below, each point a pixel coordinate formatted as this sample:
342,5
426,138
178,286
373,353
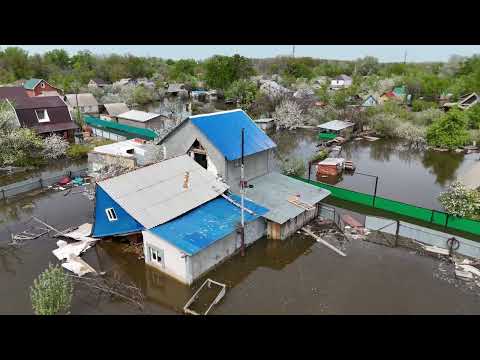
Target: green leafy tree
473,115
450,131
183,69
243,90
59,57
51,292
222,71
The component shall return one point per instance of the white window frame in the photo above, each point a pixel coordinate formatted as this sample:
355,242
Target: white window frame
46,119
111,214
154,254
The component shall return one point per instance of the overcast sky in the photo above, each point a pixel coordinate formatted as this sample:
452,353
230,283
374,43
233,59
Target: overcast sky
385,53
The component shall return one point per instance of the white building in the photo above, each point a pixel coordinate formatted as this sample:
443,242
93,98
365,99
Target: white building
340,82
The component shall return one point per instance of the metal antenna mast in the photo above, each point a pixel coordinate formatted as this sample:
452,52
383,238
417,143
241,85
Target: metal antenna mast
242,192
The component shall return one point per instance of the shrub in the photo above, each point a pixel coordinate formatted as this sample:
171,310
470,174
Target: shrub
293,167
414,135
426,117
323,154
460,201
79,151
51,292
385,124
450,131
420,105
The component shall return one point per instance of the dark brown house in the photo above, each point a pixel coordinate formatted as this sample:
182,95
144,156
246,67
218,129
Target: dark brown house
44,114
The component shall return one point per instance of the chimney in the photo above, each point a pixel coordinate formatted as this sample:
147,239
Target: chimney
185,180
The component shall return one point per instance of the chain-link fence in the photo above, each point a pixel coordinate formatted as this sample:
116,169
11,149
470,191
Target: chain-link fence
38,182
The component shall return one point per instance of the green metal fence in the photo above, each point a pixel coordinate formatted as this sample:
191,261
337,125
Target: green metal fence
428,215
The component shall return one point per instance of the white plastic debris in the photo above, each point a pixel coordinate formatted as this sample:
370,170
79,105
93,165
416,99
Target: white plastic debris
61,243
78,266
75,249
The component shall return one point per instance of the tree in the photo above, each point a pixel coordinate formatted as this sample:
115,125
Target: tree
222,71
293,167
367,66
460,201
244,91
473,115
183,69
288,115
8,117
51,292
450,131
54,147
59,57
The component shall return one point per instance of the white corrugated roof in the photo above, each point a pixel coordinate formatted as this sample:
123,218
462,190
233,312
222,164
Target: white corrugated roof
154,194
137,115
336,125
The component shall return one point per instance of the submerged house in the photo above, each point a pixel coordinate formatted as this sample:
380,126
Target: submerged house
337,128
182,212
97,83
214,141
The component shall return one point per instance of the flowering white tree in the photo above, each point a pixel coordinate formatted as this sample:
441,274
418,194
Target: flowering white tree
414,135
54,147
460,201
288,115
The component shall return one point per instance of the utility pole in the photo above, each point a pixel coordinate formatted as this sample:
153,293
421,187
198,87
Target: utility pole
293,50
405,57
242,192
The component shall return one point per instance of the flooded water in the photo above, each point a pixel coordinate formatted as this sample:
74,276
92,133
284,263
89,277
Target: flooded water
296,276
58,166
405,174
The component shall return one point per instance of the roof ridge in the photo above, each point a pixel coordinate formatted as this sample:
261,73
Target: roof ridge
215,113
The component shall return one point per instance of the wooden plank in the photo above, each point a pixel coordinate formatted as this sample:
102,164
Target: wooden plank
320,240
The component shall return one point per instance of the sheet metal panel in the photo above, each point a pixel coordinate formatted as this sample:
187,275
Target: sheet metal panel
206,224
224,129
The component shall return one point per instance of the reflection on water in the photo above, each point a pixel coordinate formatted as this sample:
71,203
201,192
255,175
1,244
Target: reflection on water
444,165
405,173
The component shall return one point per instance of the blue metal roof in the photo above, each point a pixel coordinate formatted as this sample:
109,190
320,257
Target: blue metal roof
224,132
206,224
125,224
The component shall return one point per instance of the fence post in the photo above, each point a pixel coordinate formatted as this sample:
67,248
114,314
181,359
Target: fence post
446,221
41,182
397,232
3,194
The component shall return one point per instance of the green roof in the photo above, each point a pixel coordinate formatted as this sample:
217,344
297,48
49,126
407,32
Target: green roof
30,84
121,129
326,136
399,90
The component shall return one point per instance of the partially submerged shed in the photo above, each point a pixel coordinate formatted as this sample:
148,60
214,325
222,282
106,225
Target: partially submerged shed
142,119
338,128
292,203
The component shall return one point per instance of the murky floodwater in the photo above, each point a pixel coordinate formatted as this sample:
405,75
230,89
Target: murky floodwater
296,276
405,174
54,167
